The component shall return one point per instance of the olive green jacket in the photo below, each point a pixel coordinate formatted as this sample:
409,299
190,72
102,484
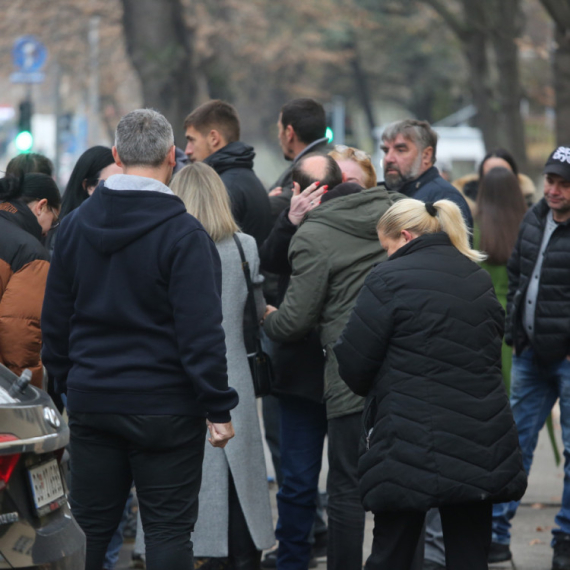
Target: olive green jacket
331,254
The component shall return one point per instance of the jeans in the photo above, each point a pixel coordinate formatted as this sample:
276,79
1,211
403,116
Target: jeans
346,514
303,430
163,455
466,533
535,387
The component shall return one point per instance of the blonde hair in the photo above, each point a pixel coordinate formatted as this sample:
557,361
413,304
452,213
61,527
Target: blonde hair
414,216
206,198
343,152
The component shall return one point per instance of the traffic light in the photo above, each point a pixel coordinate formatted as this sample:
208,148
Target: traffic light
24,139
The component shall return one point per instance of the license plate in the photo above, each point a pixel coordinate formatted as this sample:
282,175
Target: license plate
47,486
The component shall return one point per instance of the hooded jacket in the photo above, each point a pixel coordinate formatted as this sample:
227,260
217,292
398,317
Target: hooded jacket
250,203
24,264
132,314
424,345
331,254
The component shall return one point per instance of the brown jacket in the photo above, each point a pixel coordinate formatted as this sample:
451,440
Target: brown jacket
24,264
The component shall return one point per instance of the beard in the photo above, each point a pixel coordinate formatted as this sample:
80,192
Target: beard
395,181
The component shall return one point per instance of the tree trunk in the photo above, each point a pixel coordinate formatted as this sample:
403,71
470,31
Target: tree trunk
504,32
161,49
561,65
475,48
361,83
472,31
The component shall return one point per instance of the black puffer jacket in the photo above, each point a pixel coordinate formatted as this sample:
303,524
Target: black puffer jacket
250,203
424,345
552,318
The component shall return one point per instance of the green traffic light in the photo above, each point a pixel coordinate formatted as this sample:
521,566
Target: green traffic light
329,134
24,141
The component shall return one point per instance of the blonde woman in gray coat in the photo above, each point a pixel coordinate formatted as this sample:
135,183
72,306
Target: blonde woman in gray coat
234,518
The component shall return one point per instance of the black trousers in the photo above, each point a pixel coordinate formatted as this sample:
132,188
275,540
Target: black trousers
163,456
466,534
344,509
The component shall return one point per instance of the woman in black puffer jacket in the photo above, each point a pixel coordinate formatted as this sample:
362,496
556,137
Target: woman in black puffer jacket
424,345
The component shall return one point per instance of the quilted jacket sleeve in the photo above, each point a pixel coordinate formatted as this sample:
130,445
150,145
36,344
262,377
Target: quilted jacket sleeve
513,270
362,346
20,310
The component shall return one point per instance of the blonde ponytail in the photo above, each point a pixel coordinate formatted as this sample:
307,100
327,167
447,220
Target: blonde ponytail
415,217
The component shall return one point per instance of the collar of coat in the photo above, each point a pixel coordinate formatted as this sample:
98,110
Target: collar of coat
427,240
410,188
19,213
540,211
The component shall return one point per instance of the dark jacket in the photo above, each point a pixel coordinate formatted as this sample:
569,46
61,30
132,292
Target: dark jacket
250,203
431,187
132,313
298,366
551,341
285,181
24,264
332,252
424,345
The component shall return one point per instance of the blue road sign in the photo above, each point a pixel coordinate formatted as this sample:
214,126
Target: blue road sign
29,54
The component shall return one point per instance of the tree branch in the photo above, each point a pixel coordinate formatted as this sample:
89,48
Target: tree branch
450,18
559,11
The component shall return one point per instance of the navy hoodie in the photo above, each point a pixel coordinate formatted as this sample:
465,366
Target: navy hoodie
132,316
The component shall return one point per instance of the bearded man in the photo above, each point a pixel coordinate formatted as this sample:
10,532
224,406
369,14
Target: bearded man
409,149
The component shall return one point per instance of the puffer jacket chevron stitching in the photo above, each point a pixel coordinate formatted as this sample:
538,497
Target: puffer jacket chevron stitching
24,265
552,318
424,346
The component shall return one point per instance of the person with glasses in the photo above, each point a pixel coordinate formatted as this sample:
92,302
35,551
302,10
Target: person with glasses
356,165
29,208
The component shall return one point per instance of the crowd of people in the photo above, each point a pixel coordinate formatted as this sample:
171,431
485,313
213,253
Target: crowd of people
381,307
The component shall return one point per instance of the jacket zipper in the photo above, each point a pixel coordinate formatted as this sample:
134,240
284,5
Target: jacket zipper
368,438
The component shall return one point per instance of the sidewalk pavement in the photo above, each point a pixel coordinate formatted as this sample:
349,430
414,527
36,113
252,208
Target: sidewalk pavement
531,527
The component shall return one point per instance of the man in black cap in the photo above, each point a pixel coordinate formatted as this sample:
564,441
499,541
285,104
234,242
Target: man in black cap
538,327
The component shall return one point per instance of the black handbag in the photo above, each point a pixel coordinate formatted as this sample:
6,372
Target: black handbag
259,362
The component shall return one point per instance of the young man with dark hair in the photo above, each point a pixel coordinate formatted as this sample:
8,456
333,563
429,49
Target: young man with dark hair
213,132
301,126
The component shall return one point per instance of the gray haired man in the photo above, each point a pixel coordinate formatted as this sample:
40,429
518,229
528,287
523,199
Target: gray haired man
132,331
409,149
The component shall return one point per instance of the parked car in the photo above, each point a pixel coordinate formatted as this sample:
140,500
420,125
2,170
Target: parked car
37,529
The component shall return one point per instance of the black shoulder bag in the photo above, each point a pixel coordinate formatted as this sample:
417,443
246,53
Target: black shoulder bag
259,362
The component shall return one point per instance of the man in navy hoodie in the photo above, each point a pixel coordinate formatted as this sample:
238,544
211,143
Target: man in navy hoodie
132,332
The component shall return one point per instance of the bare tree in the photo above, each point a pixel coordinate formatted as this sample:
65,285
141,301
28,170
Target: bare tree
559,11
160,46
482,26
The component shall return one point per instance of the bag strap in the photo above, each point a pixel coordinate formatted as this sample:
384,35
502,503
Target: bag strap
247,274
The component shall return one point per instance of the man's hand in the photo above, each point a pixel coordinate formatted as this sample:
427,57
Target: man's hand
268,310
305,201
220,434
276,191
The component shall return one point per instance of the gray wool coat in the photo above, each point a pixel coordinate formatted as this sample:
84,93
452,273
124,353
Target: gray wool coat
243,454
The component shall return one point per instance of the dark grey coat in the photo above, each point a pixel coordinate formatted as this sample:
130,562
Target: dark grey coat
243,455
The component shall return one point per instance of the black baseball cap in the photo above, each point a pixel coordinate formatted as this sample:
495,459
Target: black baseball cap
559,163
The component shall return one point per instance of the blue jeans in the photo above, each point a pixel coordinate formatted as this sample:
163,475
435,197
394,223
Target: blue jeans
303,430
535,387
